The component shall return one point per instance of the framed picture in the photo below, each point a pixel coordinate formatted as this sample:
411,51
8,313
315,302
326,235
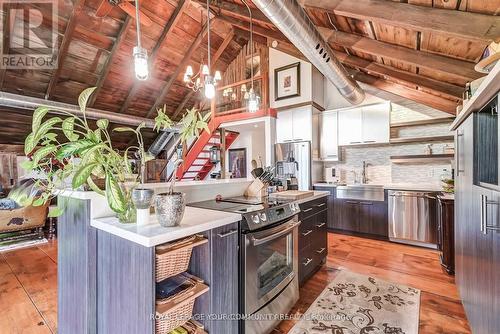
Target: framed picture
287,81
238,162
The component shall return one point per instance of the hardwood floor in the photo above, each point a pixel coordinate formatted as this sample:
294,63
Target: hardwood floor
28,284
440,311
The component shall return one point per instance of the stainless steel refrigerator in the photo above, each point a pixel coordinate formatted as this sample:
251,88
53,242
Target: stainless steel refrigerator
297,158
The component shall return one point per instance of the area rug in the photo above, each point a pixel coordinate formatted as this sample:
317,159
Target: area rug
358,304
8,246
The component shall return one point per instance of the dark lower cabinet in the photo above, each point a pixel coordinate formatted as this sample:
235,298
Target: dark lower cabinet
446,233
217,263
313,243
363,217
330,203
477,239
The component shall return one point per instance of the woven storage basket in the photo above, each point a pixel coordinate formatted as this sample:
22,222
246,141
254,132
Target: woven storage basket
173,258
175,311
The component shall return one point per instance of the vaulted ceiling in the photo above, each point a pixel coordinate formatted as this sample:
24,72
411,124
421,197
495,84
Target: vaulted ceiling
423,50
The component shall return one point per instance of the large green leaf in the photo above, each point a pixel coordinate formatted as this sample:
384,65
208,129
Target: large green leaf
38,115
68,127
84,97
44,128
55,212
29,144
42,153
94,187
114,194
27,165
82,174
102,123
123,129
73,148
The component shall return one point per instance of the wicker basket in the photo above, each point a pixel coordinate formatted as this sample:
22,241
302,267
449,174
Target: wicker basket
173,258
175,311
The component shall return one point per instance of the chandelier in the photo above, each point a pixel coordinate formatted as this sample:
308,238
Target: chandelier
203,78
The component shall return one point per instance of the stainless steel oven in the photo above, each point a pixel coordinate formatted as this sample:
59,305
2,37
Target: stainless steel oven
269,274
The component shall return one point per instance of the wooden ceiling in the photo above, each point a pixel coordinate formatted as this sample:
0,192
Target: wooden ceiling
424,50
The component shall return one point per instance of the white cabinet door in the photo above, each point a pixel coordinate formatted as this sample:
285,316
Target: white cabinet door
350,127
302,124
376,119
284,126
329,148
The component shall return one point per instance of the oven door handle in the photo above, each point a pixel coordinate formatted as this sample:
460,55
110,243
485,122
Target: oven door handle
259,241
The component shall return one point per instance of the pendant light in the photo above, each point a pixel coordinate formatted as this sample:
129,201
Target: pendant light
140,54
253,100
209,80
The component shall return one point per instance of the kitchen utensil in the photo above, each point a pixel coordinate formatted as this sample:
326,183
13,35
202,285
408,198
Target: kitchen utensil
254,164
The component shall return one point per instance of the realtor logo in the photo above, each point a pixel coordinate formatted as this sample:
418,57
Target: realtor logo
29,34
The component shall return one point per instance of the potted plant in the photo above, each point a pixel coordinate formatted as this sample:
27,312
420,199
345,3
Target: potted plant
82,153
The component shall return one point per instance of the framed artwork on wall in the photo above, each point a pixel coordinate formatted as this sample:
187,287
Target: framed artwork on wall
287,81
237,162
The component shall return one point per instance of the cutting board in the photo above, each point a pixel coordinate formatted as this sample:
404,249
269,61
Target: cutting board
292,195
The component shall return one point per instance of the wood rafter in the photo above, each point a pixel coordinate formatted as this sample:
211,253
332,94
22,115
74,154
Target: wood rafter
215,58
427,99
458,68
277,35
120,38
485,28
450,91
63,49
7,30
173,77
169,28
238,10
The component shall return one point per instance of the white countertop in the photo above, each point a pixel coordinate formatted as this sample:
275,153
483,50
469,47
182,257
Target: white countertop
195,220
317,194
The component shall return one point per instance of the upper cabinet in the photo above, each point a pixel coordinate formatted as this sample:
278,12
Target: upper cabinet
365,125
329,149
294,125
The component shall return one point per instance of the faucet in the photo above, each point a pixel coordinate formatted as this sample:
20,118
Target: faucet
364,179
355,176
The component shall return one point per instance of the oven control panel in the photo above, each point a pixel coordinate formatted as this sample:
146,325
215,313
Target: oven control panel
259,219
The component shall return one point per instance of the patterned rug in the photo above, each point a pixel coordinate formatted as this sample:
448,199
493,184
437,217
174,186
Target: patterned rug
358,304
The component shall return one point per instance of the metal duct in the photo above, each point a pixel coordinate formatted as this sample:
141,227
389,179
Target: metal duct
161,142
31,103
294,23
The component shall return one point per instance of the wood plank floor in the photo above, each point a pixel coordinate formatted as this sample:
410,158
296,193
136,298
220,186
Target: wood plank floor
28,284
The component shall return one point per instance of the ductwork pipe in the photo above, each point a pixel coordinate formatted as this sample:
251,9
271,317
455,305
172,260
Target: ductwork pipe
31,103
291,19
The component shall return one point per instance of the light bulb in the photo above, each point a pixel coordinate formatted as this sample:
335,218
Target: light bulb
243,88
246,96
217,76
233,96
189,71
209,90
253,103
205,70
141,63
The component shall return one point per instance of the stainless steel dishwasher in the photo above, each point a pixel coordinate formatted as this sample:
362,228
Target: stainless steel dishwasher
412,218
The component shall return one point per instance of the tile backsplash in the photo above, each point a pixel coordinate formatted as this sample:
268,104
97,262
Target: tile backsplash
380,169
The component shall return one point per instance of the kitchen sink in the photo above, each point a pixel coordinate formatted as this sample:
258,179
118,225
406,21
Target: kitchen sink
363,192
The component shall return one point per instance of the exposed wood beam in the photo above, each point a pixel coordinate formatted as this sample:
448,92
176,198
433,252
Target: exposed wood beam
240,33
450,91
187,57
120,38
277,35
485,28
63,49
215,58
458,68
7,30
238,10
427,99
167,30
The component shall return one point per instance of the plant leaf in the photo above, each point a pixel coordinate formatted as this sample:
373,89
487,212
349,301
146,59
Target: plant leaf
43,129
27,165
94,187
82,174
73,148
38,115
43,152
55,212
29,143
39,201
102,123
114,194
84,97
123,129
68,129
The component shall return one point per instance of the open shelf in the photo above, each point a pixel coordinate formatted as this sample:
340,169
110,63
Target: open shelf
404,140
401,159
423,122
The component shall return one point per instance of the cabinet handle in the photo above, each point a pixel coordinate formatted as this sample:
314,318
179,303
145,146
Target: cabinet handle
230,232
366,203
319,251
351,202
331,155
369,141
307,233
320,225
307,210
320,205
355,142
288,140
484,215
307,262
298,139
458,153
